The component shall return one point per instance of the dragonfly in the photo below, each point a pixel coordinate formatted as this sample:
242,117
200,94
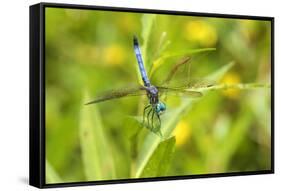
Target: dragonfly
156,107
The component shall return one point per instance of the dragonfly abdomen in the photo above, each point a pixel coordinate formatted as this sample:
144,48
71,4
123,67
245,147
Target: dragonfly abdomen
140,63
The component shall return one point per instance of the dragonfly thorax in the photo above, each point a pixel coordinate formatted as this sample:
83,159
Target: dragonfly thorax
152,93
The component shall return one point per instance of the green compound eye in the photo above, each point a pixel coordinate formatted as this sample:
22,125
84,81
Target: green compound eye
160,107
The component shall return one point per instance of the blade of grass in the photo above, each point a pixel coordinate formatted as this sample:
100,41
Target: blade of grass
216,76
96,151
162,44
51,175
237,133
147,21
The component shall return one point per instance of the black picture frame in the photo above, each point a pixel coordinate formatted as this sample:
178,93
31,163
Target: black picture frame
37,94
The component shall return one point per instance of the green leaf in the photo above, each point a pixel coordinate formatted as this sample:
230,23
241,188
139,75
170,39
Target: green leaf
96,151
169,121
216,76
235,136
158,163
51,175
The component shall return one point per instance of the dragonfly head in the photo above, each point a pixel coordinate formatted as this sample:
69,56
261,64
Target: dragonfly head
160,107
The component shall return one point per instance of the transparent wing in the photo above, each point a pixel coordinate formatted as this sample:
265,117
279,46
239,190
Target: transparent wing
115,94
179,91
175,68
194,83
180,72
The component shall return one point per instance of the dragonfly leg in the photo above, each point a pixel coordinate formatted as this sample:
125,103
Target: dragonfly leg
148,114
158,117
152,121
144,111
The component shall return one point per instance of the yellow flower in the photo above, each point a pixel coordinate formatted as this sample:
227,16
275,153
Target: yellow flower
114,55
182,132
201,32
231,78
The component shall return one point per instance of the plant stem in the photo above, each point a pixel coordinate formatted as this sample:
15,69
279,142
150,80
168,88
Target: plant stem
240,86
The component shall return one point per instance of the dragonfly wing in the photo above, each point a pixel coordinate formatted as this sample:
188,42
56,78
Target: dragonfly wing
181,70
179,91
201,83
194,83
175,69
115,94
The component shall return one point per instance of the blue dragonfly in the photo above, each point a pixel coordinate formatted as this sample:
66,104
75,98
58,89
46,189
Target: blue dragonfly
156,107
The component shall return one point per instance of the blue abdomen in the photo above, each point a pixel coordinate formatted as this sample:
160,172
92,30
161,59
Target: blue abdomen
140,63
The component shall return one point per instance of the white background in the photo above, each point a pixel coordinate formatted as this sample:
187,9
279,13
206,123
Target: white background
14,88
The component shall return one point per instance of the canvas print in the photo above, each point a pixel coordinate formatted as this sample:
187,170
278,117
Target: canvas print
134,95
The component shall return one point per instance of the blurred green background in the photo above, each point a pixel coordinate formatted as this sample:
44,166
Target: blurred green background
88,52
